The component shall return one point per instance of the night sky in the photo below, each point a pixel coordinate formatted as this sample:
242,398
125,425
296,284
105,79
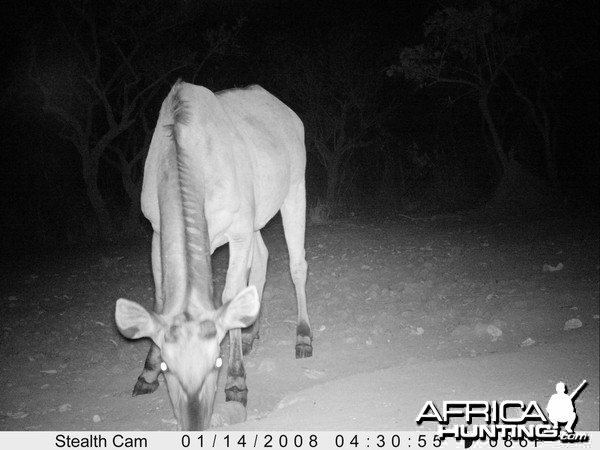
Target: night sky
43,194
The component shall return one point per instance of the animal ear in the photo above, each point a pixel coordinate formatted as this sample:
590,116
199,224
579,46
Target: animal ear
134,321
241,312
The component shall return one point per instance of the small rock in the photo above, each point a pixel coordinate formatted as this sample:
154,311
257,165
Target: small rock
96,418
571,324
494,331
227,413
485,329
65,407
527,342
417,331
549,268
12,298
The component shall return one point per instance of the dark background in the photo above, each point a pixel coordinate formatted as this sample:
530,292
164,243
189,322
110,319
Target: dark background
423,154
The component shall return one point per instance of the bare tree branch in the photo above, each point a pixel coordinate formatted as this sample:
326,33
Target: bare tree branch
114,68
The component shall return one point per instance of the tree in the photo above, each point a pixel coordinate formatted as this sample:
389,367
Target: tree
479,52
117,61
337,91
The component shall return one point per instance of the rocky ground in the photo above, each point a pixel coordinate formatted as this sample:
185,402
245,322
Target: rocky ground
403,311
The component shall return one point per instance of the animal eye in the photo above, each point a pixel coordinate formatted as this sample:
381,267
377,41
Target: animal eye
163,366
218,362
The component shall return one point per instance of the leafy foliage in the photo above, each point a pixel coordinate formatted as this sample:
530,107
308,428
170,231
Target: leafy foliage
466,47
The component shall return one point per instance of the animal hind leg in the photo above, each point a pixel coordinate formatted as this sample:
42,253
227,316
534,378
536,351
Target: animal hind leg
293,214
258,275
147,382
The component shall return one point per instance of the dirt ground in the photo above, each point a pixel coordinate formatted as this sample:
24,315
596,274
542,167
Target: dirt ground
403,311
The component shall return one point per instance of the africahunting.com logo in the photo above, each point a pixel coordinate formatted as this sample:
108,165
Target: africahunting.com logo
509,419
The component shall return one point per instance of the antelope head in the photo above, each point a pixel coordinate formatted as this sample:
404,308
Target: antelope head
190,349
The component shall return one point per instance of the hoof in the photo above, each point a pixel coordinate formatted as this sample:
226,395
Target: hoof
303,351
303,340
235,394
143,387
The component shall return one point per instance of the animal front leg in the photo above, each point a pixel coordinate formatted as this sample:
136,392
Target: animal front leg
236,280
147,382
235,386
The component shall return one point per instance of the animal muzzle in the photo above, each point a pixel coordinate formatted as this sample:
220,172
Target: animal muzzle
196,412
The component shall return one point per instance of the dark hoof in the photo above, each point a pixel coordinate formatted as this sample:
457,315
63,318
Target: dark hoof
143,387
303,340
235,394
303,351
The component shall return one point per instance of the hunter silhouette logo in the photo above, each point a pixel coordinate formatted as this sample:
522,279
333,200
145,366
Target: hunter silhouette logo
561,408
473,420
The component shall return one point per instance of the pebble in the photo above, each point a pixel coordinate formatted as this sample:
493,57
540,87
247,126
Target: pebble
418,331
571,324
227,413
65,407
527,342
